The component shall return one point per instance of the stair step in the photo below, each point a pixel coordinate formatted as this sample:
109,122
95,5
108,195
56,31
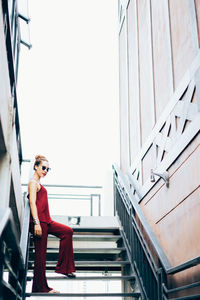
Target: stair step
124,278
87,250
136,295
90,237
91,263
114,230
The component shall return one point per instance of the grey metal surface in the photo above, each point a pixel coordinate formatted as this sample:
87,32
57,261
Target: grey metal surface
90,263
89,250
88,278
91,222
136,295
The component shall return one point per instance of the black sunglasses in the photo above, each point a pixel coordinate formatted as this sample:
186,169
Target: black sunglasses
45,168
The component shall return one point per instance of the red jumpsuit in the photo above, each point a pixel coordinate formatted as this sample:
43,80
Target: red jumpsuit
65,264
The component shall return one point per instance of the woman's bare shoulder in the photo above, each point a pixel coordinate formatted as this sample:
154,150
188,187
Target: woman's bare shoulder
33,184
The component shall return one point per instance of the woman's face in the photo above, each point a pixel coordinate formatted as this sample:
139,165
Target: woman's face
42,169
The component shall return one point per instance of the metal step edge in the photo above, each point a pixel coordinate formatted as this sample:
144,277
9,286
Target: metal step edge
89,236
93,262
125,278
136,295
95,229
86,249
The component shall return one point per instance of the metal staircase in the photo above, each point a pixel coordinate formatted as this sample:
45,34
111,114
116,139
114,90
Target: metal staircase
100,258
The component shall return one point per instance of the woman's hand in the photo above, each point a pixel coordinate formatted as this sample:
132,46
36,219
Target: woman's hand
37,230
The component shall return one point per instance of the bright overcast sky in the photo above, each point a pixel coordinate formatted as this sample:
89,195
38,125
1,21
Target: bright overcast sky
68,89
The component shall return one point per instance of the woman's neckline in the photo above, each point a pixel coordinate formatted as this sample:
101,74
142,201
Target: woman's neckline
40,187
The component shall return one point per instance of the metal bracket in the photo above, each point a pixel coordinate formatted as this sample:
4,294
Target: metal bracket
164,176
27,20
29,46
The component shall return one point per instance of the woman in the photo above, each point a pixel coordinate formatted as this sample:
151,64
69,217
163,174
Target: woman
41,225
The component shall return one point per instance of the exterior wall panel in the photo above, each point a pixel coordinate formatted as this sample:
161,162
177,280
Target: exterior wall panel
162,62
10,185
133,68
147,120
184,49
164,74
197,8
124,105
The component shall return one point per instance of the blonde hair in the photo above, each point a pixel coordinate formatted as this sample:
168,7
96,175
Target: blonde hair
38,160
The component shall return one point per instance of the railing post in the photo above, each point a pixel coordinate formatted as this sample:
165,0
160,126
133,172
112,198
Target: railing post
114,193
1,267
99,196
160,283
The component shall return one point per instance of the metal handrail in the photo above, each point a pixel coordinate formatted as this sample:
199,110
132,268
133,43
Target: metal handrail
166,269
75,196
162,256
8,230
11,256
70,186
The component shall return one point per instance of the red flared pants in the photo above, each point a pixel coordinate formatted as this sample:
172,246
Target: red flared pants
65,264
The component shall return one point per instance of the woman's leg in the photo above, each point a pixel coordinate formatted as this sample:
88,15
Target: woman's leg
39,279
65,264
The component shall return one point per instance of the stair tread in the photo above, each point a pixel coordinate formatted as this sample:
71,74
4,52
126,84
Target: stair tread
78,262
88,278
95,229
90,236
83,294
87,249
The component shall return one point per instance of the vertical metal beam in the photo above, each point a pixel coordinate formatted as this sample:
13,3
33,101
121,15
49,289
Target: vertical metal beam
160,282
1,267
99,196
91,205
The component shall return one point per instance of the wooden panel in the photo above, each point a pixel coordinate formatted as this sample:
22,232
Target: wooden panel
124,117
165,200
182,35
165,208
176,165
145,69
162,63
186,236
134,113
197,6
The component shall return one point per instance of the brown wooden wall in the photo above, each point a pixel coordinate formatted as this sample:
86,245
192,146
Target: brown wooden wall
160,117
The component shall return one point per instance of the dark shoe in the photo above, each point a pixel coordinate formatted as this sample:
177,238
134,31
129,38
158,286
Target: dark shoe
71,275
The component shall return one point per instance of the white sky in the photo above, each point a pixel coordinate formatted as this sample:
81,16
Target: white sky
68,89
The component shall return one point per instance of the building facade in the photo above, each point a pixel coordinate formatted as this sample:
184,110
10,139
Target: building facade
159,79
10,142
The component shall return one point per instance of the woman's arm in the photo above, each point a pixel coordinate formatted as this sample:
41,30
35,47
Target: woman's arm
32,187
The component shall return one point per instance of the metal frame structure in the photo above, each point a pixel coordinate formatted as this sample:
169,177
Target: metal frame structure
12,265
149,262
78,196
178,124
